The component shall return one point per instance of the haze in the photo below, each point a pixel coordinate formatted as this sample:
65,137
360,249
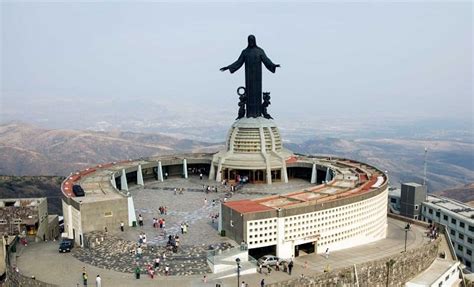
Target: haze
75,64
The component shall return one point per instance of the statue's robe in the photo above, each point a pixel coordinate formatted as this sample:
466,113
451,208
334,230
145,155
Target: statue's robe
253,57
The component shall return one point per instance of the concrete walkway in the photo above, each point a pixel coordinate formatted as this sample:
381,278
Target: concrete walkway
43,261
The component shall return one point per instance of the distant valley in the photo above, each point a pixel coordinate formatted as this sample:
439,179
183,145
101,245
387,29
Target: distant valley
28,150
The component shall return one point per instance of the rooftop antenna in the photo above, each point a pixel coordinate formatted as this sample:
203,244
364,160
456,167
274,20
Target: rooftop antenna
424,167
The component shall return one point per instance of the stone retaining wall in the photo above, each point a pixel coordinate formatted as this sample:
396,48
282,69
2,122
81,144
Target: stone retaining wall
404,267
15,279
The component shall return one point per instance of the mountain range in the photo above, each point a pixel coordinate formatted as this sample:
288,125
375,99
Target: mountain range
29,150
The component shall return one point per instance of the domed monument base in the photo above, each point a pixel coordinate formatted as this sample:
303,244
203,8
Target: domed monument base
253,152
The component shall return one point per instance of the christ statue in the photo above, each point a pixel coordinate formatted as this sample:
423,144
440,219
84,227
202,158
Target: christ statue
253,57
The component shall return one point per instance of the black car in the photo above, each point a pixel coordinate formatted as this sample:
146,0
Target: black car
66,245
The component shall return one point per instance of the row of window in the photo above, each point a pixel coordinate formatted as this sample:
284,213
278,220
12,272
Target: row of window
446,218
261,222
299,230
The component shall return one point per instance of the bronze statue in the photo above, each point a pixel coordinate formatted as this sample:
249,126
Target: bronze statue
265,104
253,57
242,102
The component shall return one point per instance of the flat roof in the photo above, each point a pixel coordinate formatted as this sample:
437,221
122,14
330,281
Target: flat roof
414,184
437,269
452,205
246,205
352,178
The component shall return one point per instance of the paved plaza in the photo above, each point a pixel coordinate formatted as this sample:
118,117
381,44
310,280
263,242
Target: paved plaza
189,207
43,261
113,254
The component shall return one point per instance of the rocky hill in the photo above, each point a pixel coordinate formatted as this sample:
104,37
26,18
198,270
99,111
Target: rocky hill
463,193
31,150
450,162
34,186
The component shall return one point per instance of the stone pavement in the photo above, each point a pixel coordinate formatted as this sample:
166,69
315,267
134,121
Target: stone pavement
44,261
189,207
117,254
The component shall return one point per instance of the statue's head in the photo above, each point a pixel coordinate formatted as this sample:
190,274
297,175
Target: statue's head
252,41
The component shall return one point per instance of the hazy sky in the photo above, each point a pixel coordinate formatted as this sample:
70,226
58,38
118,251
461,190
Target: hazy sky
352,59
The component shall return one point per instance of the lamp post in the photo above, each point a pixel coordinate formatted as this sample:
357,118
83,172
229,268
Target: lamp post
237,260
407,228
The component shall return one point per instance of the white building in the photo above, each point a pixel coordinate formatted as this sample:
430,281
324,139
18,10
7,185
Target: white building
348,211
459,218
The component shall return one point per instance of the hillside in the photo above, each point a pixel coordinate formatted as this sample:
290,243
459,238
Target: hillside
463,193
450,163
31,150
34,186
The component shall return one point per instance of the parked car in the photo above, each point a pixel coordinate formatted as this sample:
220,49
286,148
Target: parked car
66,245
270,260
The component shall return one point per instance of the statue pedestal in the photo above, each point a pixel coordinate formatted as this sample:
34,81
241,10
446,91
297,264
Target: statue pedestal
253,153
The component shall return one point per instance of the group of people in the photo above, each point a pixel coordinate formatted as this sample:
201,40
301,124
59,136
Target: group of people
161,223
287,267
178,190
214,217
151,269
173,243
98,279
163,210
209,189
433,232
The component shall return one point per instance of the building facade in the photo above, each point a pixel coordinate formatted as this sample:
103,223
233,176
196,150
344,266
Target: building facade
459,219
27,217
347,211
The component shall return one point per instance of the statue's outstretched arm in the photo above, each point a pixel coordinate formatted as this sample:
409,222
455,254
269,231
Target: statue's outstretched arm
236,65
268,63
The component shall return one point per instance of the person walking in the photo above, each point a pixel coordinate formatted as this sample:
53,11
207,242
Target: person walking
290,267
122,225
326,254
98,281
262,283
137,272
200,176
84,278
139,252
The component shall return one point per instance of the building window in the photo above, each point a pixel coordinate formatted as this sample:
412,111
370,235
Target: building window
468,264
469,240
471,228
430,211
453,221
445,217
416,207
461,236
393,200
416,217
460,248
461,224
108,214
468,252
438,214
453,232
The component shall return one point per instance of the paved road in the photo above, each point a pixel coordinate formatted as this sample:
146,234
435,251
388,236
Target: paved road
43,261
